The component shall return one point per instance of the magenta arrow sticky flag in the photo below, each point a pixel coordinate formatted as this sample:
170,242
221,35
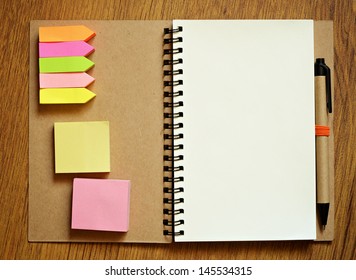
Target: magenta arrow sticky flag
65,80
75,48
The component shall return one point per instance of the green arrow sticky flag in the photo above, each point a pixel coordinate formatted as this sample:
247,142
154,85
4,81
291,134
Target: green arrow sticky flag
65,64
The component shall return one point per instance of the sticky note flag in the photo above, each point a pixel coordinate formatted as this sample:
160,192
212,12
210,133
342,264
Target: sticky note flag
65,80
82,147
101,204
65,95
60,49
65,64
65,33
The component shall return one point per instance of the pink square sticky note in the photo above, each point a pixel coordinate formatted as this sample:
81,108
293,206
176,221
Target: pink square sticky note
101,204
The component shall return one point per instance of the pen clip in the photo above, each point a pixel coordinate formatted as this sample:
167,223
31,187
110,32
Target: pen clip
328,89
321,69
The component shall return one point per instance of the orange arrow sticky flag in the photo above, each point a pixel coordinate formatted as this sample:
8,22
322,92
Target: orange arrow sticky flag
65,33
65,95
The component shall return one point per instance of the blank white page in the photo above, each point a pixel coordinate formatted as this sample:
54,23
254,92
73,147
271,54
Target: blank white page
249,159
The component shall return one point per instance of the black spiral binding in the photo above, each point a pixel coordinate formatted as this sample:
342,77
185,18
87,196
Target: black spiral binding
172,156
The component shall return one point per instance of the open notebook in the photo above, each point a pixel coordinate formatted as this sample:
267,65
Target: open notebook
216,133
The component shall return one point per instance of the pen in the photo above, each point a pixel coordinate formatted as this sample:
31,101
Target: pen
323,106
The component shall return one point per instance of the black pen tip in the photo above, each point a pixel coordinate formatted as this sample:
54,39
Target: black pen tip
323,213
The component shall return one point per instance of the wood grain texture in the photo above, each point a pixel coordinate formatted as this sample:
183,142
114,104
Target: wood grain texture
14,45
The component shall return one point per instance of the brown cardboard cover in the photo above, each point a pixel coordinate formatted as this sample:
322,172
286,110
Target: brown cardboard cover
129,94
323,48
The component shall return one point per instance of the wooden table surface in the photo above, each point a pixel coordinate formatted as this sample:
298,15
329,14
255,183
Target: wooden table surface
15,16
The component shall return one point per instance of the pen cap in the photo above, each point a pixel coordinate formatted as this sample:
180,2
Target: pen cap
321,69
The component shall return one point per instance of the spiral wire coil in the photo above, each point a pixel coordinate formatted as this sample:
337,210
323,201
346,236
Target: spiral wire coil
173,205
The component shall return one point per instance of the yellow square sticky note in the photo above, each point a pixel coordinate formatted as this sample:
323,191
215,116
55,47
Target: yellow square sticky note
82,147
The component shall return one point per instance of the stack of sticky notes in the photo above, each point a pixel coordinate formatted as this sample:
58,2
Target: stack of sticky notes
101,204
63,64
82,147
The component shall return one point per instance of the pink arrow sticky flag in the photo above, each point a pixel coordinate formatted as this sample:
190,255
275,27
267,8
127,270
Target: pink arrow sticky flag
65,33
65,80
75,48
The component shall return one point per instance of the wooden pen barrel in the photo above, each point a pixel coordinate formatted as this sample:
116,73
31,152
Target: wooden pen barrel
322,157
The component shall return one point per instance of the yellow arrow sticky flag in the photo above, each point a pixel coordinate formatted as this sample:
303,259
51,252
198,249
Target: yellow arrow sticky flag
65,64
65,95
